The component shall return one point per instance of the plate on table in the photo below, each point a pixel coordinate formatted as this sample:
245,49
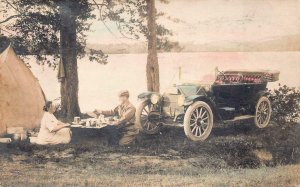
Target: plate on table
76,125
90,127
96,127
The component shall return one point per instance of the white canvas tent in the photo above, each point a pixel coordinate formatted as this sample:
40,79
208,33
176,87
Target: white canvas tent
21,97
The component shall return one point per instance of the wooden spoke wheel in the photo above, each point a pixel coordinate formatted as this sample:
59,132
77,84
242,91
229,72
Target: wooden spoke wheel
198,121
147,119
263,112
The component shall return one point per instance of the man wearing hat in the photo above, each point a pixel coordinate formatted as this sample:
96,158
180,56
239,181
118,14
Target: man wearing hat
122,131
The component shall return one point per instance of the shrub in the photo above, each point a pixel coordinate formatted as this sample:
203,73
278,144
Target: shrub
285,104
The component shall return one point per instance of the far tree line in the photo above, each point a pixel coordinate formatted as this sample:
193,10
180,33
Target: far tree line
58,27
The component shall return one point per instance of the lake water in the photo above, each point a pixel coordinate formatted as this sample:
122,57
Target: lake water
100,84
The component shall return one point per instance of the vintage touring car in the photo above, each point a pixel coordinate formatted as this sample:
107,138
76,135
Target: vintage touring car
234,95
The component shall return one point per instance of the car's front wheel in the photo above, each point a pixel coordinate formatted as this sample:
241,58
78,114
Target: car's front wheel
198,121
147,118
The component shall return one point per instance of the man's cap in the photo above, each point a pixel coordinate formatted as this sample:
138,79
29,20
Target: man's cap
124,93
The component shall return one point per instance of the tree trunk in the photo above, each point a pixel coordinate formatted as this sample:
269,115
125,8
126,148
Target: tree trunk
152,61
68,52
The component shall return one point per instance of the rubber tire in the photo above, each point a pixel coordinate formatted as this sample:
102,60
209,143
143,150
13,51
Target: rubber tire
263,98
187,117
138,118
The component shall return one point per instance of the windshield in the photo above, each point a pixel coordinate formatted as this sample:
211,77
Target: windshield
188,90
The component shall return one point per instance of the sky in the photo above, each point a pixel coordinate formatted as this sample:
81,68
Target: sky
204,21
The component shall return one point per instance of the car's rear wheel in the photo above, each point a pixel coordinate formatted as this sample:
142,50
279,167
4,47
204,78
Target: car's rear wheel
147,118
198,121
263,112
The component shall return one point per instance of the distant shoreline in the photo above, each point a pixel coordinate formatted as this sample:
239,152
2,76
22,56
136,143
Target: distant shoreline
278,44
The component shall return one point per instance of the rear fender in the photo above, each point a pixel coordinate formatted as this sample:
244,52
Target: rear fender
261,94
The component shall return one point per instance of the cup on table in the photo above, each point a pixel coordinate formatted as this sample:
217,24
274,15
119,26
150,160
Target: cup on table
17,136
77,120
88,123
23,136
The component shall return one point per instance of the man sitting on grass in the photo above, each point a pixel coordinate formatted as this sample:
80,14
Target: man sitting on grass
123,130
52,131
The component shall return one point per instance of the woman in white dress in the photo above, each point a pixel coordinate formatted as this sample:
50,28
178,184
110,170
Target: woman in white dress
52,131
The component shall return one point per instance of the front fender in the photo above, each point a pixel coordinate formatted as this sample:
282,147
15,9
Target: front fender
190,99
146,95
193,98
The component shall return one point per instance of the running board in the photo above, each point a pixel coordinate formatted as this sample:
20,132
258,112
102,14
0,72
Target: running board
173,124
238,118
